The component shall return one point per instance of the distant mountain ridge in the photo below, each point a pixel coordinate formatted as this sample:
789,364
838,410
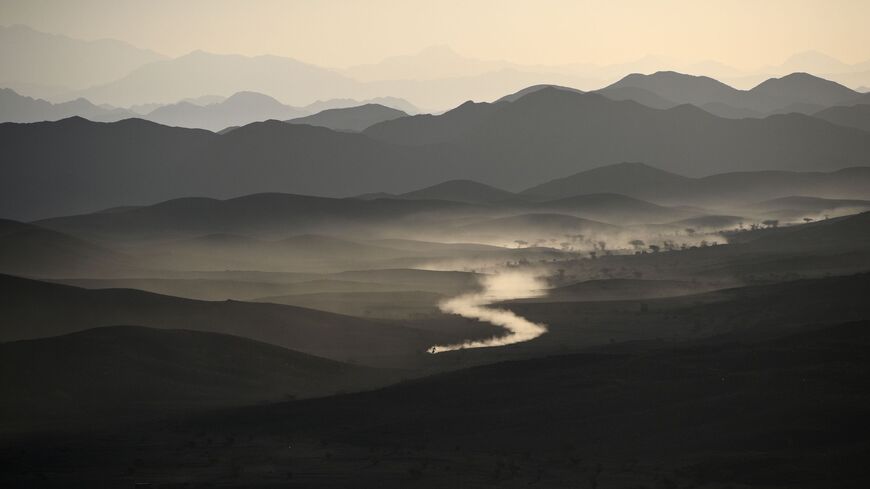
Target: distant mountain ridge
797,92
237,110
33,58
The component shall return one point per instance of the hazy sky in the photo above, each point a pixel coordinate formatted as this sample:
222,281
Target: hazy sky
743,33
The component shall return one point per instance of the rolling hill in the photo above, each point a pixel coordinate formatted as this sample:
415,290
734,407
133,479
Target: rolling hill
34,309
119,371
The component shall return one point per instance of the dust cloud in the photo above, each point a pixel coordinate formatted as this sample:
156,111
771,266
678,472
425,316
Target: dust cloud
500,286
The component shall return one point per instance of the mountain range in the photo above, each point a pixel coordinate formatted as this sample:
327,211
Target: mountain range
46,64
207,112
563,132
797,92
436,77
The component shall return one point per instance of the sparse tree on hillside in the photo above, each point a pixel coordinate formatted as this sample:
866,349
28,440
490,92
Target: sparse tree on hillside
771,223
637,243
690,231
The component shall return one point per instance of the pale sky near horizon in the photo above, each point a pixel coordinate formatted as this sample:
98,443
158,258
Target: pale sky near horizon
741,33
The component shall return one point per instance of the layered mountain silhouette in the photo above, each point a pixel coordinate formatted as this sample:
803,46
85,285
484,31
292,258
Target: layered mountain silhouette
353,119
561,132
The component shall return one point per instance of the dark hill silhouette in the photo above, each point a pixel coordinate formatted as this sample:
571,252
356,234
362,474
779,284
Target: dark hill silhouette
670,401
857,116
730,412
353,119
129,371
461,191
89,165
34,309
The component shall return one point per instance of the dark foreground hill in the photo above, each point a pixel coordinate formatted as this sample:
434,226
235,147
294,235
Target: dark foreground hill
728,413
125,371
